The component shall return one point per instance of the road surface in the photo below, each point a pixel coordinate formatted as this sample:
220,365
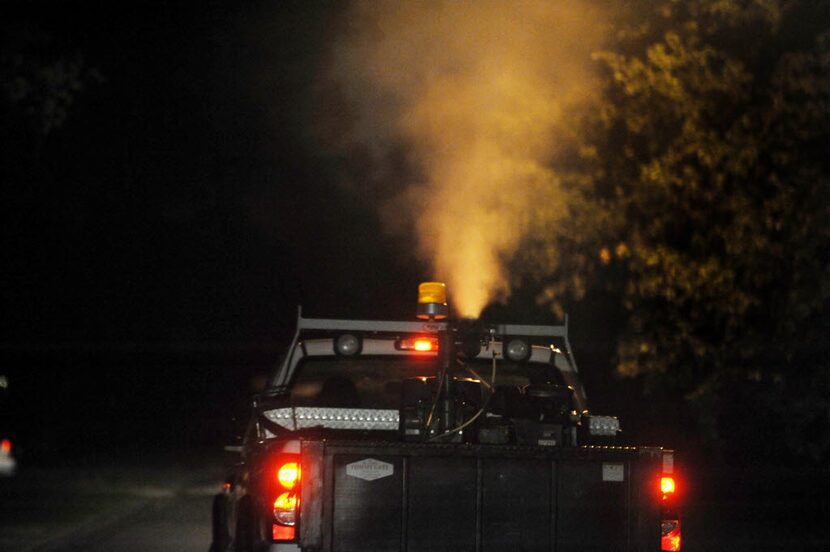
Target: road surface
179,523
164,504
153,506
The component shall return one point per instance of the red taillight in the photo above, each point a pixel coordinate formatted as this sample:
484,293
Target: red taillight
281,532
285,508
670,539
667,486
288,475
6,446
670,516
287,499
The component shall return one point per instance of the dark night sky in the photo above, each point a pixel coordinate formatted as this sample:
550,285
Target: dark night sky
185,199
155,248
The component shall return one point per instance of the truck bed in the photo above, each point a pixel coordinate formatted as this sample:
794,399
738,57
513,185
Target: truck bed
386,496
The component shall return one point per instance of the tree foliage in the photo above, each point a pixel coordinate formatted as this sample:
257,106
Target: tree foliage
40,81
701,199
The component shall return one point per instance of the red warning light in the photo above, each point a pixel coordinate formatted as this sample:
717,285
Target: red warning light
423,345
418,344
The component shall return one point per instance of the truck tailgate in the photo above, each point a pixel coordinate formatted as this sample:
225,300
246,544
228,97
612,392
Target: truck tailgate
417,497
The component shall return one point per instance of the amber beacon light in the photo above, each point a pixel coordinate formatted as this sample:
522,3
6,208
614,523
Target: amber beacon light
432,301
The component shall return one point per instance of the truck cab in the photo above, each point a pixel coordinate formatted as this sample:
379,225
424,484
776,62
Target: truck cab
438,435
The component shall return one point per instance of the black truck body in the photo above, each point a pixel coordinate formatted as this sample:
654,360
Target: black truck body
473,497
454,453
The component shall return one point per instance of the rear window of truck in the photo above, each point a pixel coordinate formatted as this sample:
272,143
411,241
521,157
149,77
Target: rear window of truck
375,382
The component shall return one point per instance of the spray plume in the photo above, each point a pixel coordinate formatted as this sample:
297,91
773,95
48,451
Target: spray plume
473,92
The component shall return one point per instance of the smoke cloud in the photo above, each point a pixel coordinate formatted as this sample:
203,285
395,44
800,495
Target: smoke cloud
471,96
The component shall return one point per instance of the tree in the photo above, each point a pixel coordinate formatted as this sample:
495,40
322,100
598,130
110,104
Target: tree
700,197
39,83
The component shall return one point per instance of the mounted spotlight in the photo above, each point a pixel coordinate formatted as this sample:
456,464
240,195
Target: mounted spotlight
348,345
517,350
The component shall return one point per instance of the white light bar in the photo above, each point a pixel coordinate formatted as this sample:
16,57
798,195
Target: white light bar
302,417
603,426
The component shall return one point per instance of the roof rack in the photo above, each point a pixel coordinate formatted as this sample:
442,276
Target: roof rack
378,326
396,326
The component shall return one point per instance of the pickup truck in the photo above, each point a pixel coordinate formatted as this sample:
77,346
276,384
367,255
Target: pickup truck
438,435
